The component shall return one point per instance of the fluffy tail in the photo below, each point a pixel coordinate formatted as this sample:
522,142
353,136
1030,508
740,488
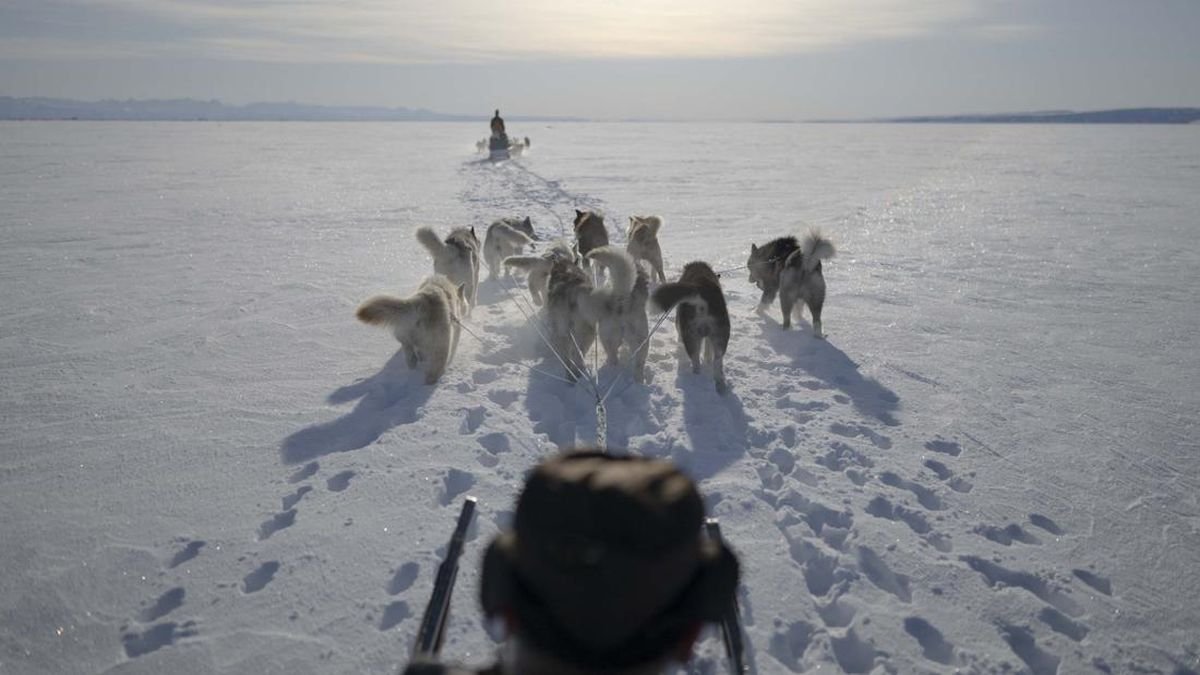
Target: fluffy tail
527,262
512,234
429,239
620,264
816,248
652,223
387,310
666,296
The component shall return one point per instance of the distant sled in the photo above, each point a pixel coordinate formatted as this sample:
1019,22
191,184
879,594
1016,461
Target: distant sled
501,147
498,148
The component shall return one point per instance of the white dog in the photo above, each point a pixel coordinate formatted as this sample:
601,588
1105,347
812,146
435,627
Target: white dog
620,312
506,237
426,323
643,242
457,257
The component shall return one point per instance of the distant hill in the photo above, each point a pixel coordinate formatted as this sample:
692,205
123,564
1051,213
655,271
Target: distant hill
1118,116
186,109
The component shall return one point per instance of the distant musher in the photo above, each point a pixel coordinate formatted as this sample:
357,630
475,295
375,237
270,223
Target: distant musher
498,143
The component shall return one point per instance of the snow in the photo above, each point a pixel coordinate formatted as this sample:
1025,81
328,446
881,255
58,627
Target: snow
208,465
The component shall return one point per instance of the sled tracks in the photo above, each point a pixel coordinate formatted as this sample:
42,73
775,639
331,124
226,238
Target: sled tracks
493,190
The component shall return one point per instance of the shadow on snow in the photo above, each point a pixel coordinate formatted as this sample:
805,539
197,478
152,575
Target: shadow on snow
389,398
830,365
716,424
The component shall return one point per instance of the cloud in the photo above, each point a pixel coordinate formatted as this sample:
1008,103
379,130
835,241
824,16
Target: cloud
480,31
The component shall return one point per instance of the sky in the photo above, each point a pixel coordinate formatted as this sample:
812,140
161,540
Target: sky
614,59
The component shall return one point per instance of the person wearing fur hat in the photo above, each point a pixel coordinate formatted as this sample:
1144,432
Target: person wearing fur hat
604,571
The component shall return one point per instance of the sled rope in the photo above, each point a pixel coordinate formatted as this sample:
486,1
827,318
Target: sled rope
747,265
590,380
470,332
519,363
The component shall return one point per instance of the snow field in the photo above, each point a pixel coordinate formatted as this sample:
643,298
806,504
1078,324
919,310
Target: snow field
210,466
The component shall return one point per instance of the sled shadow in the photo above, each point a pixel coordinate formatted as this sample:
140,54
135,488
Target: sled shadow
833,368
392,397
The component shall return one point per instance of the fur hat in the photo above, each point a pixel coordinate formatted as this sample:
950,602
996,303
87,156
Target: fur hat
606,565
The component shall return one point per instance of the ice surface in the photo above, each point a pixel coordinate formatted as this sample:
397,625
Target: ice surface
208,465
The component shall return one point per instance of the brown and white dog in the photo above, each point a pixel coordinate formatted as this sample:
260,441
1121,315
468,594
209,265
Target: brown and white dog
590,233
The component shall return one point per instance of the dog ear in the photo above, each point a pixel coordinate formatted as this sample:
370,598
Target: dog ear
528,221
753,249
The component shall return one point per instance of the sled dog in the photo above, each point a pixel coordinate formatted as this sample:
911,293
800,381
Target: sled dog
457,257
621,312
643,242
426,323
794,272
538,267
701,316
569,323
590,233
506,237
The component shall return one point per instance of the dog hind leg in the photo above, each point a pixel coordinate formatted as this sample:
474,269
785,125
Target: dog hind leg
610,338
815,303
691,344
787,301
435,364
719,369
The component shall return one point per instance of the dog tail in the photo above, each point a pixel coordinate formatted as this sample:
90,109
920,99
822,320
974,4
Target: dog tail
429,239
653,223
527,262
387,310
513,234
666,296
815,249
620,263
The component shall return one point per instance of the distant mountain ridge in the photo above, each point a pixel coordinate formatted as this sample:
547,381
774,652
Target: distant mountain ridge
186,109
1115,116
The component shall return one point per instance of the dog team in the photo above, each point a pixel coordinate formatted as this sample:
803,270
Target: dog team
581,305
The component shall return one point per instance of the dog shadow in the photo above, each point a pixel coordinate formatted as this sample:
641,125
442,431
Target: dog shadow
832,367
390,398
716,424
566,412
